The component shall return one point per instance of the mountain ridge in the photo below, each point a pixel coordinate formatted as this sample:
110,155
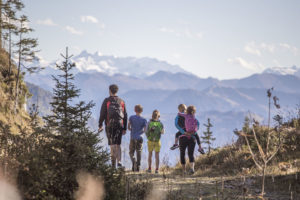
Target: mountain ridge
294,70
96,62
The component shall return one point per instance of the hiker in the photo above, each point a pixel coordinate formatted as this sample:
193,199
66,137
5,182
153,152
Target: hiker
179,123
137,126
153,132
113,112
187,139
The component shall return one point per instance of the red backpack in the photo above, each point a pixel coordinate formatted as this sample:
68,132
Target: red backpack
115,113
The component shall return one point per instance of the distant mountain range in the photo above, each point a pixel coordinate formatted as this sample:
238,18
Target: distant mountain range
158,85
111,65
284,71
40,98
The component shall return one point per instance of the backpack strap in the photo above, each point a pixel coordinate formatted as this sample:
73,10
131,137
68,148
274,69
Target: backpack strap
107,106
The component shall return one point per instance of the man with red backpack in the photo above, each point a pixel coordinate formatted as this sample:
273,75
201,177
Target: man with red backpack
113,113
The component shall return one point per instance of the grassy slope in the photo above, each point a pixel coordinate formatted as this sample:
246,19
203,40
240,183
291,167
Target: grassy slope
238,170
7,88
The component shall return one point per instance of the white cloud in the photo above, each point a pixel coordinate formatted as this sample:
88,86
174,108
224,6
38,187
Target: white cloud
268,47
245,64
46,22
252,49
187,33
277,63
291,48
72,30
89,19
258,49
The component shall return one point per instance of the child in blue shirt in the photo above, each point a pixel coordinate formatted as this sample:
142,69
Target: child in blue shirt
137,125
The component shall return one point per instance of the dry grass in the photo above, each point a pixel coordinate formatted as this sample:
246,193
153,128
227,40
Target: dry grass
226,161
7,85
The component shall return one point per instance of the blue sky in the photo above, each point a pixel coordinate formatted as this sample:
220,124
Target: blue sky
222,39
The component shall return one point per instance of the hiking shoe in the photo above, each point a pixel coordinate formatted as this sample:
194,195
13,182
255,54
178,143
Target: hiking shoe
119,165
113,164
175,146
192,171
156,171
133,166
201,150
149,170
137,168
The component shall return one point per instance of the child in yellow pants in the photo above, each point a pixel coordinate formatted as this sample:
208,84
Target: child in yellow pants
153,132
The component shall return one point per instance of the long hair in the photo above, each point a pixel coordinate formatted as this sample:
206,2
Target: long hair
155,115
191,110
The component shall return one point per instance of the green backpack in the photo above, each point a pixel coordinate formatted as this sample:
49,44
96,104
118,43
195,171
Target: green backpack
154,130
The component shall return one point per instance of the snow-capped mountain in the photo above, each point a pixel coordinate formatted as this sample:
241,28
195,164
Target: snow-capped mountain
294,70
131,66
96,62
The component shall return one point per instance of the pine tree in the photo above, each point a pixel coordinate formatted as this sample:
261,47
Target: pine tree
67,146
26,52
208,137
9,29
8,12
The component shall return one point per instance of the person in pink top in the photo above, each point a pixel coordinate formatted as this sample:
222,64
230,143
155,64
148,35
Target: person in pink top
188,140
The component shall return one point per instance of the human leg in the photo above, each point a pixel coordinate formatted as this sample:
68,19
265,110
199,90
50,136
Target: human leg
177,137
115,135
157,146
156,162
150,149
149,160
113,156
131,154
198,139
191,148
182,147
175,145
109,136
118,154
139,147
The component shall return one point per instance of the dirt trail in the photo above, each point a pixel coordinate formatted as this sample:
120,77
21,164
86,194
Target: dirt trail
193,187
184,186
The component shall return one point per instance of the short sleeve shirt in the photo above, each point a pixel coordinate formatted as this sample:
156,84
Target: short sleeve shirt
137,126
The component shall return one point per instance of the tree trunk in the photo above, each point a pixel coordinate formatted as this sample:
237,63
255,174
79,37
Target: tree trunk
269,119
9,52
263,180
1,23
18,75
